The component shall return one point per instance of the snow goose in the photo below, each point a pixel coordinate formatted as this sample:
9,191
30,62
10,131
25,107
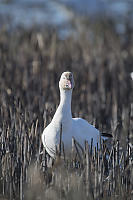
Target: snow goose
78,128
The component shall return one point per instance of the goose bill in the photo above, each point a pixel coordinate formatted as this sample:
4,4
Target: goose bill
69,85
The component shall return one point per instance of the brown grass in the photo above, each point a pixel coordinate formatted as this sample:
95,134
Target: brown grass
31,63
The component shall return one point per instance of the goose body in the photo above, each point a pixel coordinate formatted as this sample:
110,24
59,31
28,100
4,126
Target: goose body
78,128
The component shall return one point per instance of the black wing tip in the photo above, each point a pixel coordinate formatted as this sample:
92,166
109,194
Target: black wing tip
107,135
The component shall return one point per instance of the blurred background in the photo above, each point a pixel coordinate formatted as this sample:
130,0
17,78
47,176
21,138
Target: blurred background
40,39
93,39
61,13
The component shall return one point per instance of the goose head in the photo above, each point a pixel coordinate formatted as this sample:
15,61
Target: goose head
66,81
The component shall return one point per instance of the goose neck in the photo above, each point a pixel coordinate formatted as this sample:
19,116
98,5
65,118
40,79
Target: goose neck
63,112
65,98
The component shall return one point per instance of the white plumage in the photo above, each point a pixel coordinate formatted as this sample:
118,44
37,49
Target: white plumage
78,128
131,74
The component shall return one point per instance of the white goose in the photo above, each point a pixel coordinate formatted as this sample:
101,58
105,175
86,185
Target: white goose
78,128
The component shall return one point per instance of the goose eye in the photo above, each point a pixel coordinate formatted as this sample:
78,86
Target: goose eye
64,77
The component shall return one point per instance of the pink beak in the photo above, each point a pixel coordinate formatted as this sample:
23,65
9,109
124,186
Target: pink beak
69,84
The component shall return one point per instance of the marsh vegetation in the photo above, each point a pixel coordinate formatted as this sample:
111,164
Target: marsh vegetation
31,62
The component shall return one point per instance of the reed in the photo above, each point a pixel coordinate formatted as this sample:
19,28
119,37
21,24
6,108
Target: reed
31,63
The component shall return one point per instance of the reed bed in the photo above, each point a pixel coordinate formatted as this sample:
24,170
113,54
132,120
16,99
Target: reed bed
31,64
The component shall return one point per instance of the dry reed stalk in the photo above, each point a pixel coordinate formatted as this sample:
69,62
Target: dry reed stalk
28,80
60,142
89,190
